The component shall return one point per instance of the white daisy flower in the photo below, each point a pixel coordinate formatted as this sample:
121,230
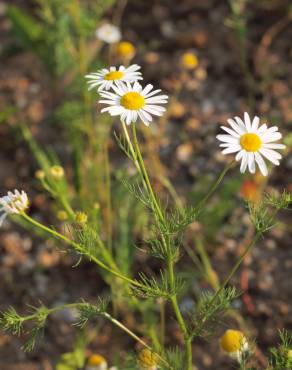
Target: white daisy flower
251,142
108,33
106,78
13,203
130,101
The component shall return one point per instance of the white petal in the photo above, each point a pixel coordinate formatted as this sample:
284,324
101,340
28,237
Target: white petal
231,149
247,121
239,155
236,127
274,146
267,153
244,161
255,123
231,132
251,162
261,163
227,139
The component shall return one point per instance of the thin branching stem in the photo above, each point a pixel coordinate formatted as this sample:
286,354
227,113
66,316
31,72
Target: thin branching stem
161,219
105,315
213,188
77,246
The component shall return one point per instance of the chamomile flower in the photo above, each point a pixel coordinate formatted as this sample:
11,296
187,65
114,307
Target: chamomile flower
96,362
13,203
251,142
234,343
130,101
108,33
105,78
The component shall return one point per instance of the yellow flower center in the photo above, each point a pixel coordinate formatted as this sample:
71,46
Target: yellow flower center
125,49
132,101
232,341
95,360
250,142
115,75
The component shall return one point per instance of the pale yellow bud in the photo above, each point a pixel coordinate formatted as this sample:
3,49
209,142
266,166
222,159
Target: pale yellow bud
62,215
57,172
40,174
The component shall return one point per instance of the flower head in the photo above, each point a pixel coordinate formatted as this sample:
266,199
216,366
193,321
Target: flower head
105,78
108,33
96,362
133,101
57,172
40,174
189,60
147,360
62,215
234,343
125,50
13,203
81,218
251,142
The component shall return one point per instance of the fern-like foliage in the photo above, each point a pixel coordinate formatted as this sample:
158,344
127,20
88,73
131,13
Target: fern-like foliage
153,287
87,311
210,310
281,357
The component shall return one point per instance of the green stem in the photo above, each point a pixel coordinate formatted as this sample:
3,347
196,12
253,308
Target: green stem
106,316
214,187
139,162
236,266
78,247
146,177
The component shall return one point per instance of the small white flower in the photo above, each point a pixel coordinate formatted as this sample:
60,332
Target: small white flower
132,101
252,142
106,78
108,33
13,203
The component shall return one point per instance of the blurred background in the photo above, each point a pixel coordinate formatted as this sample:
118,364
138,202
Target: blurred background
215,59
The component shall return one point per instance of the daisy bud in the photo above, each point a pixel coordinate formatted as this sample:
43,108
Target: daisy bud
40,174
57,172
81,218
108,33
234,343
147,360
96,362
189,60
62,215
13,203
125,50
